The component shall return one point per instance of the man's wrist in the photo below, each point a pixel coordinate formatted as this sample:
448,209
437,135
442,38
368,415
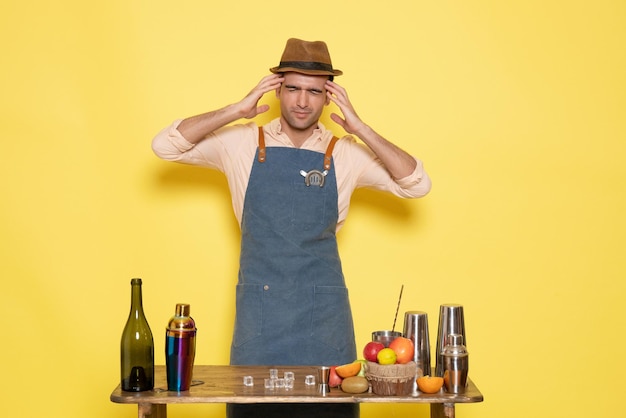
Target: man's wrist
364,132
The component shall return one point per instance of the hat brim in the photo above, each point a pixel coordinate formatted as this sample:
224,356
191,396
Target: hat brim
280,69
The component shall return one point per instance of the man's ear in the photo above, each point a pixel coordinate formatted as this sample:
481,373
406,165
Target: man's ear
278,92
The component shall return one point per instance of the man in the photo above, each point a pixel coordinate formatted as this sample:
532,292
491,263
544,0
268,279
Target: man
291,183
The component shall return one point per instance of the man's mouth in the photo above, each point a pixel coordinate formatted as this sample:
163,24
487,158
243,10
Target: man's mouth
301,113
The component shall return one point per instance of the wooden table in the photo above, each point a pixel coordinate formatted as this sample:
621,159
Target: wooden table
224,384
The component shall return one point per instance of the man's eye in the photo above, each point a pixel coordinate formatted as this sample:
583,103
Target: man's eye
292,89
315,92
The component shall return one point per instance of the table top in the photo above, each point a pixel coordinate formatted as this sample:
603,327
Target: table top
224,384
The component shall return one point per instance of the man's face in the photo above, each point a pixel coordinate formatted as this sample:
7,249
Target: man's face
302,100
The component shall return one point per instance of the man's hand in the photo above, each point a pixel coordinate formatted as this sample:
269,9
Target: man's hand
249,107
397,161
195,128
350,122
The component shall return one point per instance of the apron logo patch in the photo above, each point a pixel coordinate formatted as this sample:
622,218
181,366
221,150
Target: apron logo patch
314,177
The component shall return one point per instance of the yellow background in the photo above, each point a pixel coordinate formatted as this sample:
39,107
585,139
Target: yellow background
516,108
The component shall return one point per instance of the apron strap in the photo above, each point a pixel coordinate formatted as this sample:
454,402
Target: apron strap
327,155
329,152
261,156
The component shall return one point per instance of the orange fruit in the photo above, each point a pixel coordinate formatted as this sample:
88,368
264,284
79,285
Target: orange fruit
386,356
348,370
404,349
429,384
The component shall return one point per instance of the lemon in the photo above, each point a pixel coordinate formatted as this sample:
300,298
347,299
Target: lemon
386,356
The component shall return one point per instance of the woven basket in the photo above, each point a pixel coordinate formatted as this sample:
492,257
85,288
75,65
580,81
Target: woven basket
391,379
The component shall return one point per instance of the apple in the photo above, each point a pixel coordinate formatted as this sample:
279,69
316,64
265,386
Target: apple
404,349
334,380
371,350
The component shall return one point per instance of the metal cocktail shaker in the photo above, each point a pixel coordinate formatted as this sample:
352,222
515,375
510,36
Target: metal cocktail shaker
451,321
455,364
180,349
416,329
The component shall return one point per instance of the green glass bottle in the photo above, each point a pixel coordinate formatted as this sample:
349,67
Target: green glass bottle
137,346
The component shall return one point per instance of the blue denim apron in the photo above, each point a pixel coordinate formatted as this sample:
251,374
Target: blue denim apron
292,304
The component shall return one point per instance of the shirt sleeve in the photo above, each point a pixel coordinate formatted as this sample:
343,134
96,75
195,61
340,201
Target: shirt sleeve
369,172
213,151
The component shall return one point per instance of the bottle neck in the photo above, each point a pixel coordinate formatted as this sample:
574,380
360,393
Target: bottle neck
136,304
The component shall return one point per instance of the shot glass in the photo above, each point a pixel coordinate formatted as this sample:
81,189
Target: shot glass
248,381
323,374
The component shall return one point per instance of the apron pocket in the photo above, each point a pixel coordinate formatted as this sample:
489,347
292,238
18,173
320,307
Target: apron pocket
249,317
332,318
308,208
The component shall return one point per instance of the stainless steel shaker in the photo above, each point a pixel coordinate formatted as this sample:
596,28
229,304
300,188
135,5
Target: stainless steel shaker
455,364
451,321
416,329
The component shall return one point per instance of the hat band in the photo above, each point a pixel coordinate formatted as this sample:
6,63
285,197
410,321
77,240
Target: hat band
306,65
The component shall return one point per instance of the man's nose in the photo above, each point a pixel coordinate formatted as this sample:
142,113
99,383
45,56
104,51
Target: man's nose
303,99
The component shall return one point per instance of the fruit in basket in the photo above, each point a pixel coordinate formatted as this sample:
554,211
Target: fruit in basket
355,384
363,367
429,384
371,349
349,370
386,356
404,349
334,380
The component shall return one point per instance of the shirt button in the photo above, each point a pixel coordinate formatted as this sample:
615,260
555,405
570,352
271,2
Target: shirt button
266,287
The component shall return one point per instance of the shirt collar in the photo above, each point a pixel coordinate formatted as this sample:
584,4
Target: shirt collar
320,133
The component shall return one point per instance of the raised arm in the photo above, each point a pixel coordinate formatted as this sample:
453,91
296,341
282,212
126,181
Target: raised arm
398,162
195,128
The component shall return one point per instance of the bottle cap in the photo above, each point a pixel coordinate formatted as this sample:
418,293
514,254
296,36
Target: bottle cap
182,309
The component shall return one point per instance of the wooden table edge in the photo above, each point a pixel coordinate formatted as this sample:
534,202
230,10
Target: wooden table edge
161,396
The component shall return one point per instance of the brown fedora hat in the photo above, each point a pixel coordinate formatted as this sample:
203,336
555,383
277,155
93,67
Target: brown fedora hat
305,57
